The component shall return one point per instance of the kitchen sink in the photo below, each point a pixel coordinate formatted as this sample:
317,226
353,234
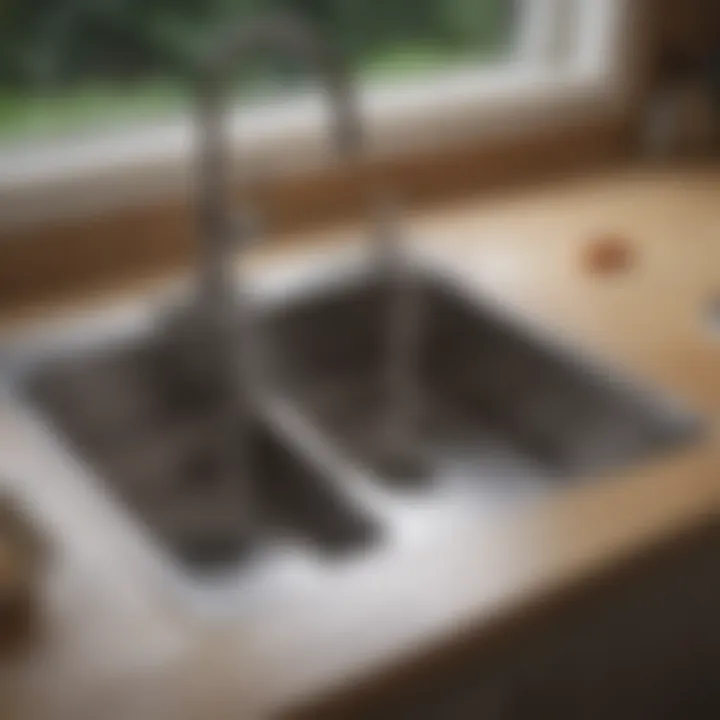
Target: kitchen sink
159,452
497,405
499,411
298,418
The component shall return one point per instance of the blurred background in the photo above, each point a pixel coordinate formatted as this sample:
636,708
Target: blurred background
561,153
67,65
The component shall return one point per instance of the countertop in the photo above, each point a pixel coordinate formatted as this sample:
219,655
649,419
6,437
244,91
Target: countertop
120,639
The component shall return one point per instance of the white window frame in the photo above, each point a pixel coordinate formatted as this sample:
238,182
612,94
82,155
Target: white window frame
569,67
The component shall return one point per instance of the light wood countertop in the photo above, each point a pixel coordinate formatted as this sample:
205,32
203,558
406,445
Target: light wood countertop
121,642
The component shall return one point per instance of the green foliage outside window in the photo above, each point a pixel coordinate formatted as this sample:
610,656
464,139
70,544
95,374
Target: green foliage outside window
65,64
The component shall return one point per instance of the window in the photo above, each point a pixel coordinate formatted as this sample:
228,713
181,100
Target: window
70,64
91,97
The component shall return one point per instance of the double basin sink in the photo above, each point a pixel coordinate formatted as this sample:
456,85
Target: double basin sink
500,412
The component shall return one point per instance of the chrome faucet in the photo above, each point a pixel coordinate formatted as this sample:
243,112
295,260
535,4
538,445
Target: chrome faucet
277,34
231,353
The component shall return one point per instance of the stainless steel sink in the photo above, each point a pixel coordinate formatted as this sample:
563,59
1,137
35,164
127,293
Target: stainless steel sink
503,413
158,451
372,378
498,405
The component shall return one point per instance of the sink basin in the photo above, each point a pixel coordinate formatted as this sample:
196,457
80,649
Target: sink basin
158,454
501,413
499,406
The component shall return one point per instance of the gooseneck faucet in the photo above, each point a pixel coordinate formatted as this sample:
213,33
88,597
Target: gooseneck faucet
282,34
223,307
220,231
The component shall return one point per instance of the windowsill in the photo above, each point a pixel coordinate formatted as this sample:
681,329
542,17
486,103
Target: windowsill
466,105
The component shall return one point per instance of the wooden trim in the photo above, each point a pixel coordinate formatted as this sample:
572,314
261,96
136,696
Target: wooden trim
81,255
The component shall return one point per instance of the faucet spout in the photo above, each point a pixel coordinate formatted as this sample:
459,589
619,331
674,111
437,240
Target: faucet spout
281,34
233,354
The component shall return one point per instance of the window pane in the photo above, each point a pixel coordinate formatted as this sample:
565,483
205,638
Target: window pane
67,64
